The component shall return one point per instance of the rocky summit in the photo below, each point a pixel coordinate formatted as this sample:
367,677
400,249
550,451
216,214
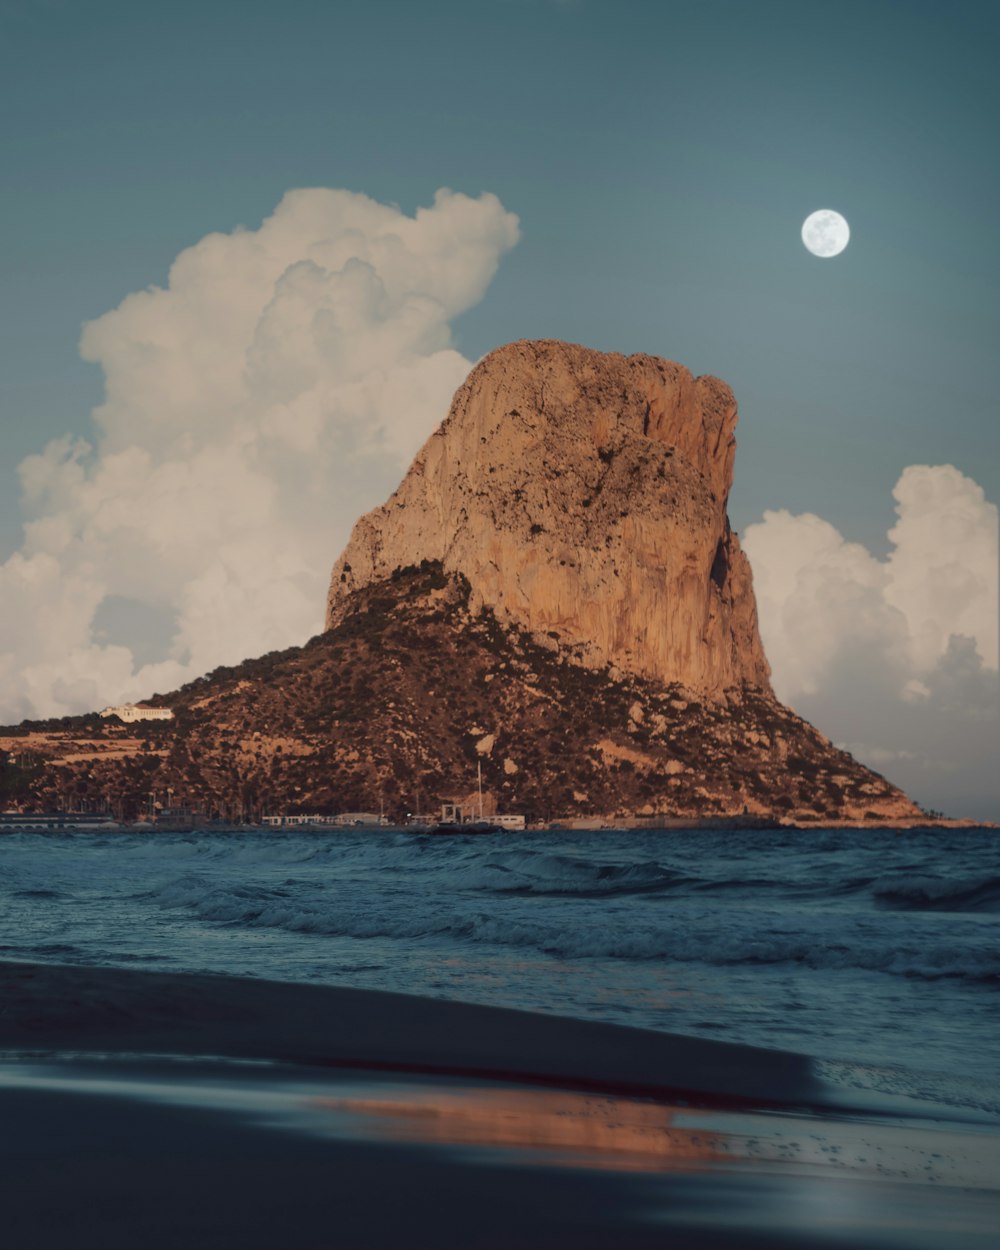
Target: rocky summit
553,595
582,495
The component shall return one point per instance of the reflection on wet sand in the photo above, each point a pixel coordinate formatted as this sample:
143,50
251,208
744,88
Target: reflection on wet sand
544,1126
633,1135
614,1133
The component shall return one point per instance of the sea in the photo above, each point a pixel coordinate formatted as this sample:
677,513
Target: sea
875,952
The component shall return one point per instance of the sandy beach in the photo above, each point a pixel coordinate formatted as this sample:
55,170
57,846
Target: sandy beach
169,1110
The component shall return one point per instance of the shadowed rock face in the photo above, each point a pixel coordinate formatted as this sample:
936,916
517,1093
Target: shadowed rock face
582,495
414,690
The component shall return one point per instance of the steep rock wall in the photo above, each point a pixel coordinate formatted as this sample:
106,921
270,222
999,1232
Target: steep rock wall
583,495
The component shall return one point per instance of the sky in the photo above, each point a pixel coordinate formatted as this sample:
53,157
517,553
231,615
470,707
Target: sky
250,250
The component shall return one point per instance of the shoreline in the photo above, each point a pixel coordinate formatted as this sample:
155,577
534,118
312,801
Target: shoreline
84,1008
171,1109
48,1008
63,822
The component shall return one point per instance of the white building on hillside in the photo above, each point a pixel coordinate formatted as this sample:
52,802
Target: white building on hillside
130,713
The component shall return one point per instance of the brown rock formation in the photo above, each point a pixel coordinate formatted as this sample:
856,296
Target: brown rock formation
583,496
553,594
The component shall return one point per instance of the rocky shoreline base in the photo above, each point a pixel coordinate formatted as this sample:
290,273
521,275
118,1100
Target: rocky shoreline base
13,822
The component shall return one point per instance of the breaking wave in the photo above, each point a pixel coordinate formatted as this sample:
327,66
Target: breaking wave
699,936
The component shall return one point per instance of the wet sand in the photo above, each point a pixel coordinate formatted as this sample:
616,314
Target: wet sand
347,1118
87,1008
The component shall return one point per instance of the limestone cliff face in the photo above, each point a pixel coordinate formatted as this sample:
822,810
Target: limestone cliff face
583,495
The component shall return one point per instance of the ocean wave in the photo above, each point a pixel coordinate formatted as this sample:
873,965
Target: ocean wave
689,939
529,872
859,944
931,893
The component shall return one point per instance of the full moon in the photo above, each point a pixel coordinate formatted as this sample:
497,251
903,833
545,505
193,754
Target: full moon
825,233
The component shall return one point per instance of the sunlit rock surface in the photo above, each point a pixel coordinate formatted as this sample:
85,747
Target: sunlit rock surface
583,495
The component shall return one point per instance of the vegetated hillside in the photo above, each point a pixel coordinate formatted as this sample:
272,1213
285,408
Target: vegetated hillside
412,688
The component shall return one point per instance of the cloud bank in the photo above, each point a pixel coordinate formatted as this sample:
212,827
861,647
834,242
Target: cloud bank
895,659
276,388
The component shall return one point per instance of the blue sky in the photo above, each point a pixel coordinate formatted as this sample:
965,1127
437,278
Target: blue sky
659,156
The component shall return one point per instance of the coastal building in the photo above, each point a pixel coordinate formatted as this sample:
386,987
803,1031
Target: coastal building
131,712
463,811
340,821
295,822
26,821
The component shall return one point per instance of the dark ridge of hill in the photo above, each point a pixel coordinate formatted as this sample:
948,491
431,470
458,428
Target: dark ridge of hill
413,687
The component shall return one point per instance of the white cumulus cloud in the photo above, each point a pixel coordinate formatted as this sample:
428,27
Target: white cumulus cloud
274,389
894,658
